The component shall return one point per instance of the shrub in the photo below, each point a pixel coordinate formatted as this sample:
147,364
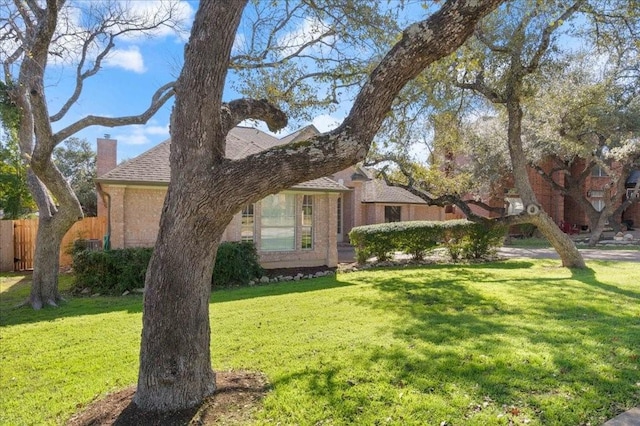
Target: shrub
120,270
462,238
481,240
112,271
236,263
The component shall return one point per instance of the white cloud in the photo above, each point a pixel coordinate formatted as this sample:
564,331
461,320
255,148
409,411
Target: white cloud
157,130
325,122
181,14
129,59
139,134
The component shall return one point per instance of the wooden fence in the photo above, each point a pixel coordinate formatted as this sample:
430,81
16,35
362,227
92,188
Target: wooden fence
19,257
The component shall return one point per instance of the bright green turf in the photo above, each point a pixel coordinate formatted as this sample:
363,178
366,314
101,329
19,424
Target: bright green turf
521,341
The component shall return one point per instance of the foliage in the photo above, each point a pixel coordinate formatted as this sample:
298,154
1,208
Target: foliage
236,263
76,160
116,271
520,342
111,271
469,240
15,198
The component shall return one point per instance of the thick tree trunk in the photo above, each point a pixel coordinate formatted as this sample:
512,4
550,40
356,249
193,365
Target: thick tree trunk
206,189
175,363
564,246
53,224
44,288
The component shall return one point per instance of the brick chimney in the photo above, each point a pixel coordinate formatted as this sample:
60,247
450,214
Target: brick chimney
107,155
106,160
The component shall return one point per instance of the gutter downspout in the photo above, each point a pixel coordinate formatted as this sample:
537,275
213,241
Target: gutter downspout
106,240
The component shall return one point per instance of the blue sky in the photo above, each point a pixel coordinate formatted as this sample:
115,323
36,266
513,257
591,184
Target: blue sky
130,76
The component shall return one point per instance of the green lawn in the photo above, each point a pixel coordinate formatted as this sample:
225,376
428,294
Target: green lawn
525,342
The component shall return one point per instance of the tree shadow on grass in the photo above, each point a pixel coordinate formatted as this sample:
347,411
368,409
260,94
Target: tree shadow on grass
75,305
539,350
588,276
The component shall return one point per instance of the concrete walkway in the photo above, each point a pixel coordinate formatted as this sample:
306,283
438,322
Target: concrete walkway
629,418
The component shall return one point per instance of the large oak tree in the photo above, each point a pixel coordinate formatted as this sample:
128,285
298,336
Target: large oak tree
207,189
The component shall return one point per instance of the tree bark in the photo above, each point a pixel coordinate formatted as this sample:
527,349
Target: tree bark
206,189
564,246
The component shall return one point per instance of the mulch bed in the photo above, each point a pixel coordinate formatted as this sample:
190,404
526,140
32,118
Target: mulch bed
239,394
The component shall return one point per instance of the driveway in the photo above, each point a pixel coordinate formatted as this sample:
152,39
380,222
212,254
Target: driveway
588,254
346,254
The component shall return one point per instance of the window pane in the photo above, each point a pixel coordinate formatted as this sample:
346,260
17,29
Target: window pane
278,222
247,228
392,213
307,222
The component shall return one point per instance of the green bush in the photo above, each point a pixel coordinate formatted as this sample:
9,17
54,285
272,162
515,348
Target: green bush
236,263
112,271
120,270
481,240
462,238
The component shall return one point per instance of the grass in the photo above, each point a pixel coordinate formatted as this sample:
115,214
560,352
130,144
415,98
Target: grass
525,342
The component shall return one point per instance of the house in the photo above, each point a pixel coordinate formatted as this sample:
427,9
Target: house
294,228
370,200
299,227
565,211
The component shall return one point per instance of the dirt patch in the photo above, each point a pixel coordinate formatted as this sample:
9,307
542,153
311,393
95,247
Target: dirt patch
238,396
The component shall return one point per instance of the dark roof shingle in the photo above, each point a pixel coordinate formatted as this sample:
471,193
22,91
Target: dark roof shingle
152,167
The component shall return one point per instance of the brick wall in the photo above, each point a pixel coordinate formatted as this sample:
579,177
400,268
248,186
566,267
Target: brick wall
135,220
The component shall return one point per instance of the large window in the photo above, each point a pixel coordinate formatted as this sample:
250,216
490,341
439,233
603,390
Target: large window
278,223
307,222
248,223
598,203
392,213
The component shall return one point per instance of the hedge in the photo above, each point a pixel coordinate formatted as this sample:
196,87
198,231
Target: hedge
462,238
120,270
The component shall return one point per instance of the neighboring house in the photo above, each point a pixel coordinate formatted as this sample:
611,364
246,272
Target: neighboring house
566,212
294,228
371,201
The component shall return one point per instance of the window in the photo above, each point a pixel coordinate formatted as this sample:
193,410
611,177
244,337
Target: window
598,171
597,203
307,222
248,223
632,193
392,213
278,223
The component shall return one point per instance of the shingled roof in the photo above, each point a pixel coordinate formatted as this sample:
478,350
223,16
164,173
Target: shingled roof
377,191
152,167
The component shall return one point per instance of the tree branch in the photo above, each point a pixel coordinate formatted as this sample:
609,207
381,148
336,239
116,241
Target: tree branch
545,40
239,110
162,95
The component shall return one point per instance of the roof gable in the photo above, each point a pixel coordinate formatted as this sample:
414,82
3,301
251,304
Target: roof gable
152,167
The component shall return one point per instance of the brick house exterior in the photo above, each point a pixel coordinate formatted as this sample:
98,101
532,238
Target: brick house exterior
133,193
371,201
295,228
